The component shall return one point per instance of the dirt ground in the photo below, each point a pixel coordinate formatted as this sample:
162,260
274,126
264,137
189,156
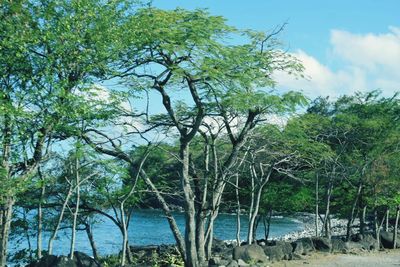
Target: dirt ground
372,259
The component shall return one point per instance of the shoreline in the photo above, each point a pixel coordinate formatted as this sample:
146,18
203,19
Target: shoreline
339,227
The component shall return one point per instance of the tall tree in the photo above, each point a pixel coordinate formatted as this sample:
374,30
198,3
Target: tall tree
187,51
50,51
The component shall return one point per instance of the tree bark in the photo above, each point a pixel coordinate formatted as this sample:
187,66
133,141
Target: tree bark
262,181
396,225
237,210
124,235
60,218
378,231
190,221
200,212
387,220
316,204
171,220
267,227
325,225
362,220
75,214
7,209
39,237
6,201
89,233
351,215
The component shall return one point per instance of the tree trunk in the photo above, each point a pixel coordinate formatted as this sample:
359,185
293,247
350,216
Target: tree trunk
60,218
75,214
350,220
316,205
362,220
39,221
7,209
89,233
387,220
200,236
6,201
27,236
190,221
171,220
237,210
252,221
325,225
267,227
200,213
378,231
263,181
396,224
124,235
376,226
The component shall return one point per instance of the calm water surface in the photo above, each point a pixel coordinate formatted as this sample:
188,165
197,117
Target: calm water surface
150,227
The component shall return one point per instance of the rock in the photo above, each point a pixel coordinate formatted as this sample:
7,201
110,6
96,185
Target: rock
322,244
369,242
279,250
249,253
80,260
286,248
307,245
297,248
54,261
48,260
233,263
217,261
351,246
83,260
296,257
275,253
218,246
387,239
65,262
338,245
241,263
214,261
356,237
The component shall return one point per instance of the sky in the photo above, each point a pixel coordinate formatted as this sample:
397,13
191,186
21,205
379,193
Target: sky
345,46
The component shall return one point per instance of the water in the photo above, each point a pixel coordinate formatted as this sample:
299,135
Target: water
150,227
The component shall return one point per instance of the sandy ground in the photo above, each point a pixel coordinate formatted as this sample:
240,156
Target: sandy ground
374,259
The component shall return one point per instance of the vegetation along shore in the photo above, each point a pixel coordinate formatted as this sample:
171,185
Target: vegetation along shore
111,107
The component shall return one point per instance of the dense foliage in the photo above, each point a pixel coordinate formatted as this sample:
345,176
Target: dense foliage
223,139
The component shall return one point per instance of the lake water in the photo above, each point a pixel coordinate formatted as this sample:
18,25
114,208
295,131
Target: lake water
150,227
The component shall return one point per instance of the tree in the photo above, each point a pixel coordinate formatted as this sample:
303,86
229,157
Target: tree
185,50
50,51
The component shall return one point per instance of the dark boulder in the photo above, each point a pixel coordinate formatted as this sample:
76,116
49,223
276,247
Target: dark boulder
369,242
286,248
54,261
233,263
303,246
322,244
339,245
83,260
250,253
219,246
298,248
274,253
279,250
387,239
216,261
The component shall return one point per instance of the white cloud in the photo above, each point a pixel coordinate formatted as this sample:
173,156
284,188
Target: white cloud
367,62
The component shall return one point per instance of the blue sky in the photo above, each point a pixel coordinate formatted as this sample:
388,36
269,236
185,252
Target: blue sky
345,46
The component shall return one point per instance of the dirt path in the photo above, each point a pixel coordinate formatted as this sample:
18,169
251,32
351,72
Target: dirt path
375,259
